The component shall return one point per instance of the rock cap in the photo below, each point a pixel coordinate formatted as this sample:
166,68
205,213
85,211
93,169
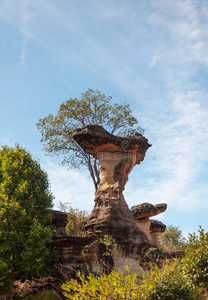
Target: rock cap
157,226
147,210
94,138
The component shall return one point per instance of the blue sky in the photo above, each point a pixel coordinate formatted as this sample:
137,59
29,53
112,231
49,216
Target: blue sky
151,54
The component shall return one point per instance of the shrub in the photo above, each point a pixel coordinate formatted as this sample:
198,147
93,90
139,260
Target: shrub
75,221
195,260
167,283
113,286
171,239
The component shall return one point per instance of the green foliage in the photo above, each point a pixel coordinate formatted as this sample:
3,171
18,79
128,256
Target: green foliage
92,108
171,239
25,221
195,260
113,286
5,278
109,243
167,283
44,295
75,221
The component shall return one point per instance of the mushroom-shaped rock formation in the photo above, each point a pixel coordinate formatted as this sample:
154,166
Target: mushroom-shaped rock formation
142,213
117,157
147,210
155,228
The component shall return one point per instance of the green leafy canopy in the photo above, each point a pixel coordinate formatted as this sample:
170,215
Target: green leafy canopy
195,259
171,239
25,220
92,108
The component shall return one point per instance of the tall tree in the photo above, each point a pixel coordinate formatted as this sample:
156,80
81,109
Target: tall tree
25,221
92,108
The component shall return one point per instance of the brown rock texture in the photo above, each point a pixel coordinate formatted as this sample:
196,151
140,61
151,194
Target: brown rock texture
151,228
117,157
157,226
59,219
94,139
147,210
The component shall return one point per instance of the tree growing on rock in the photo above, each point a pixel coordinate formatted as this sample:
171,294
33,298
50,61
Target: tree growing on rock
92,108
25,220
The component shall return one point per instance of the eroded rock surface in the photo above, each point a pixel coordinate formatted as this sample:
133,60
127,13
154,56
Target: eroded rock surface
151,228
147,210
117,157
59,219
156,227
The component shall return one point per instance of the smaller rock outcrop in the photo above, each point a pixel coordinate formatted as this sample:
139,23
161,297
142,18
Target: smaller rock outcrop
155,228
147,210
59,219
151,228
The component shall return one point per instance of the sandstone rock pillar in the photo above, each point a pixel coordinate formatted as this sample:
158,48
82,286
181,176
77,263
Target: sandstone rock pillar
117,157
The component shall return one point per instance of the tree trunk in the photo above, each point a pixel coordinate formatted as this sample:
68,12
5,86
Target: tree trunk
96,171
10,294
92,174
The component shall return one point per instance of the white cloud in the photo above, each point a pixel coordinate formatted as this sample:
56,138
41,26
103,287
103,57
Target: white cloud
155,58
69,186
180,139
24,29
186,24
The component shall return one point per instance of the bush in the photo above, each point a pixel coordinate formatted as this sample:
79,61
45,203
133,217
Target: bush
195,260
171,239
113,286
167,283
76,219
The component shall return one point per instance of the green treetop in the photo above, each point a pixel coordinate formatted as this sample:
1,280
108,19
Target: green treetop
25,221
92,108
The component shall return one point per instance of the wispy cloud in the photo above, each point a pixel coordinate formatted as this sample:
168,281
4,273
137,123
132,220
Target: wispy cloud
186,23
69,186
25,32
180,140
155,58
